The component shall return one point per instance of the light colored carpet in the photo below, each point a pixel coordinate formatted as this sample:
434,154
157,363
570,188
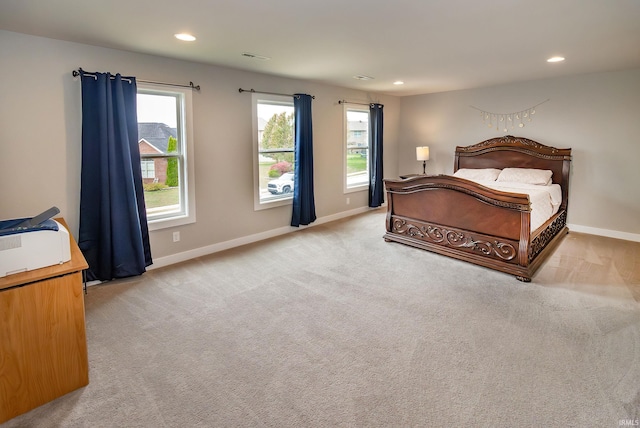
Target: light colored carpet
332,326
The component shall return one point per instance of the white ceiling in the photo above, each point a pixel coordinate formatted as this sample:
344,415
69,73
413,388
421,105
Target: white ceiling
431,45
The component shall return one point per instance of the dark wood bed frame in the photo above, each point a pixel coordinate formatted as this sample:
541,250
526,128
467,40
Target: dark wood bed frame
464,220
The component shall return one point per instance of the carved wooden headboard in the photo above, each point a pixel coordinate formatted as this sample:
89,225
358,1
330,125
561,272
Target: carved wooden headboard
517,152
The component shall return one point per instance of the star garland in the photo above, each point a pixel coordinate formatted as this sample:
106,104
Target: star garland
508,121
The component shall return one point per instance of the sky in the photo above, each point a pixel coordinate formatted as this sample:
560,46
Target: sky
157,108
266,111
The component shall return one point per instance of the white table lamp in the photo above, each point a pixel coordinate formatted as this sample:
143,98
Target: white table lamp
422,154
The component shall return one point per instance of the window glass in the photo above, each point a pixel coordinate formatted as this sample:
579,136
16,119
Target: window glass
148,169
167,176
274,156
356,162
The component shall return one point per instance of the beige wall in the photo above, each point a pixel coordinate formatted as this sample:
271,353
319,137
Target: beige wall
597,115
40,132
40,107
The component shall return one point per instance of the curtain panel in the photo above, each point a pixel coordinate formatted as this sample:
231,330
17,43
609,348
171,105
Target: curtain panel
376,185
304,208
114,236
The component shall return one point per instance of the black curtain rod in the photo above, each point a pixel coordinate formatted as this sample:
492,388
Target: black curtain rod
269,93
76,73
350,102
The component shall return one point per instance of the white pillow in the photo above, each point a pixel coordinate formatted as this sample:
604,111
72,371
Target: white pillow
526,175
483,174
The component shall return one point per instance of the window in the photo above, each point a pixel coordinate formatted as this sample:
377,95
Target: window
356,148
273,150
166,151
148,168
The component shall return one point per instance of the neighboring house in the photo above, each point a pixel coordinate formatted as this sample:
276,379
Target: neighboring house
357,135
153,138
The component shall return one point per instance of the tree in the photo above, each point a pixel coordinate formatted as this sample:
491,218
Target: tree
278,134
172,163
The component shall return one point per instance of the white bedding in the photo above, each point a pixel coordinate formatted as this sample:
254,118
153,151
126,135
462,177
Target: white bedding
545,200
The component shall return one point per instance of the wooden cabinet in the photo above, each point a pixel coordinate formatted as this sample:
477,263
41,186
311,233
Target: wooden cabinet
43,346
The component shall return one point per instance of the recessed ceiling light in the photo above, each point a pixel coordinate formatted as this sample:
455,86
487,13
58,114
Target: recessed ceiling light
363,77
555,59
184,37
398,82
255,56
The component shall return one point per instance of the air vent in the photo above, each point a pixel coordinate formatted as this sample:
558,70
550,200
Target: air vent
255,56
363,77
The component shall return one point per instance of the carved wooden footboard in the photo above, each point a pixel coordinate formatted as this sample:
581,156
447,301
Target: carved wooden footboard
464,220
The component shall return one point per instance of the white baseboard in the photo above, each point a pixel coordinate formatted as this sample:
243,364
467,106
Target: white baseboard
221,246
605,232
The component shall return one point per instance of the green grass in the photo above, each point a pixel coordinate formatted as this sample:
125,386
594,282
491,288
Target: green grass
356,163
161,198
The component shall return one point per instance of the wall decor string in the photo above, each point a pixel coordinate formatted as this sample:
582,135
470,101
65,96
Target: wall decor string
508,121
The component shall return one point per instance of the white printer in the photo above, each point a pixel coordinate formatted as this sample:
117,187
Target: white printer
27,244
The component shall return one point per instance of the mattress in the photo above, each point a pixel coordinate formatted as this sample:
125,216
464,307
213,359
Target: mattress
545,200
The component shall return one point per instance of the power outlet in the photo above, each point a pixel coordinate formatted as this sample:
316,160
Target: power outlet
176,236
348,201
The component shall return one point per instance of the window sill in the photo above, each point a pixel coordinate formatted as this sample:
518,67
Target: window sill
362,188
166,223
257,206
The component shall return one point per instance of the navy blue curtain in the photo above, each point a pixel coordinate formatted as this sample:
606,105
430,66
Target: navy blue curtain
114,236
376,186
304,207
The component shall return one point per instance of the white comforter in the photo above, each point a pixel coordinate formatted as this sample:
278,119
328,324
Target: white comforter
545,200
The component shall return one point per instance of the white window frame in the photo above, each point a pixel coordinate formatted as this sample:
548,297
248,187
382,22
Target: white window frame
187,213
364,109
145,170
259,204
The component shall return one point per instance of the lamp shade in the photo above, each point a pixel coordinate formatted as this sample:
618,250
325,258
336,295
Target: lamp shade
422,153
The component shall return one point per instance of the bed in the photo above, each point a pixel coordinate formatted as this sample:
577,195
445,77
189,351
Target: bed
476,221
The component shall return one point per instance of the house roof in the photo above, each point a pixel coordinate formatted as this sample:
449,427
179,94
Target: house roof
156,134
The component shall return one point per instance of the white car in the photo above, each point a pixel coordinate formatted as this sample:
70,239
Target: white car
282,184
